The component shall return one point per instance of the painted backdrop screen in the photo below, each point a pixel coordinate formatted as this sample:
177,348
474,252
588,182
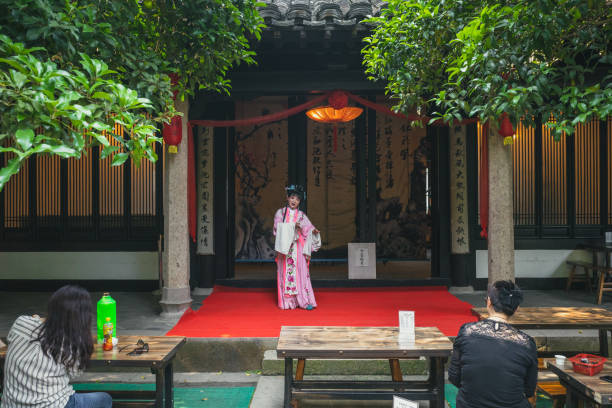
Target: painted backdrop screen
261,168
403,223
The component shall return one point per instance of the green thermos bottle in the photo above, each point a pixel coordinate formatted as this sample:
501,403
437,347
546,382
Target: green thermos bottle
107,307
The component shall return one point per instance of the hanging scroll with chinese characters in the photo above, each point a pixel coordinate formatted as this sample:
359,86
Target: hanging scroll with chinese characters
403,222
204,157
331,185
458,191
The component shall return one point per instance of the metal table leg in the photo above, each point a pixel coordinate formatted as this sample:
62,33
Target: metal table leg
159,387
570,399
436,380
603,342
168,385
288,381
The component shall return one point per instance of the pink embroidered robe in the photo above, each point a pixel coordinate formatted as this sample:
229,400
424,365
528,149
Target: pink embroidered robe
293,275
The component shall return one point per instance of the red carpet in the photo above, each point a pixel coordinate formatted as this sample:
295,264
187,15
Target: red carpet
239,312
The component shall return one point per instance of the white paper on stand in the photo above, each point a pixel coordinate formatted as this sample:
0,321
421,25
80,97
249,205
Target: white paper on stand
406,327
399,402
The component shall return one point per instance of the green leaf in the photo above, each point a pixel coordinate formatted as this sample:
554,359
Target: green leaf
24,138
101,139
107,151
63,151
11,168
119,159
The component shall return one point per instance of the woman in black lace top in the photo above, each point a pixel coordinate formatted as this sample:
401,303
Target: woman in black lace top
493,364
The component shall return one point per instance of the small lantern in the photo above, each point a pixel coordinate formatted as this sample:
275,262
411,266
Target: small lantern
505,129
173,131
173,134
337,111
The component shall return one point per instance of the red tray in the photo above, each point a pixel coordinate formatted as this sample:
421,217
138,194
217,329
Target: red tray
593,365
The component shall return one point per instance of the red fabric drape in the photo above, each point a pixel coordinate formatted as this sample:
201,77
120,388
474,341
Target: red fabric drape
259,120
484,181
191,184
383,109
411,116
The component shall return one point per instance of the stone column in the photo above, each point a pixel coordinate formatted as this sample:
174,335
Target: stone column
176,297
501,221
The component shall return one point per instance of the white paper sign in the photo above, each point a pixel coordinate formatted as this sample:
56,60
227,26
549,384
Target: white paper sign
406,326
399,402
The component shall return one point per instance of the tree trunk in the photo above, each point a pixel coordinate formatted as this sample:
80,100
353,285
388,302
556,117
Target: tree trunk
501,221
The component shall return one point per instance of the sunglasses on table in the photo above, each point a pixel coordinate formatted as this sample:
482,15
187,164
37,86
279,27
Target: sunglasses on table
141,347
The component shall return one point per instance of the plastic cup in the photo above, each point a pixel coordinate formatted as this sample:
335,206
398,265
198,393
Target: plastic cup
559,359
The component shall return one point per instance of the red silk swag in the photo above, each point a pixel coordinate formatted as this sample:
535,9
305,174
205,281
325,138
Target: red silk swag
272,117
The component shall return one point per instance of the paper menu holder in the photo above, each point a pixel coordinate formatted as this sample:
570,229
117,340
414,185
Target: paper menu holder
399,402
406,327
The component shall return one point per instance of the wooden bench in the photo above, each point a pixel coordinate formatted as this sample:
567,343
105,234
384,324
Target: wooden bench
549,385
555,391
310,342
602,285
599,274
574,275
159,359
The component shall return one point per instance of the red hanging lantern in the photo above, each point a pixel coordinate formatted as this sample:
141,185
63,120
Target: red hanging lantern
337,111
173,134
173,131
505,129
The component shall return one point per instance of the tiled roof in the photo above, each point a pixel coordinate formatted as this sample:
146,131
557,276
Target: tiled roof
318,13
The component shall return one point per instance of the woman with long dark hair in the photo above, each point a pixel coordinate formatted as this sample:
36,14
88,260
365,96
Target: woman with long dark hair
43,355
494,364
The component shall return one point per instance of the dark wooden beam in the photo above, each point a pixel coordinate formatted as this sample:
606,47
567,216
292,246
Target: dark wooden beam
371,173
304,82
603,174
361,136
538,176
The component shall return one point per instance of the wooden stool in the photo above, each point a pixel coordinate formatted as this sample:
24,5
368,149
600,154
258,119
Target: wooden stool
574,276
602,285
553,390
549,386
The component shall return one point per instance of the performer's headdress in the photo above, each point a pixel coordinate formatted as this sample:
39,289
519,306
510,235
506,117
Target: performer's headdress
296,189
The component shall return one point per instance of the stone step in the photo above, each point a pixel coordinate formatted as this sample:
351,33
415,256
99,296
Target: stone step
272,365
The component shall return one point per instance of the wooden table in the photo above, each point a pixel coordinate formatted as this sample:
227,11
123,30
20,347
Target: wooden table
561,318
596,247
363,343
158,359
584,387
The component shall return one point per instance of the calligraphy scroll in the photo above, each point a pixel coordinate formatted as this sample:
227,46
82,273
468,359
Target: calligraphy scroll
458,191
331,181
403,224
204,177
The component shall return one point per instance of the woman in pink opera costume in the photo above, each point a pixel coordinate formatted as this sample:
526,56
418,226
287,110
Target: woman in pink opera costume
293,275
